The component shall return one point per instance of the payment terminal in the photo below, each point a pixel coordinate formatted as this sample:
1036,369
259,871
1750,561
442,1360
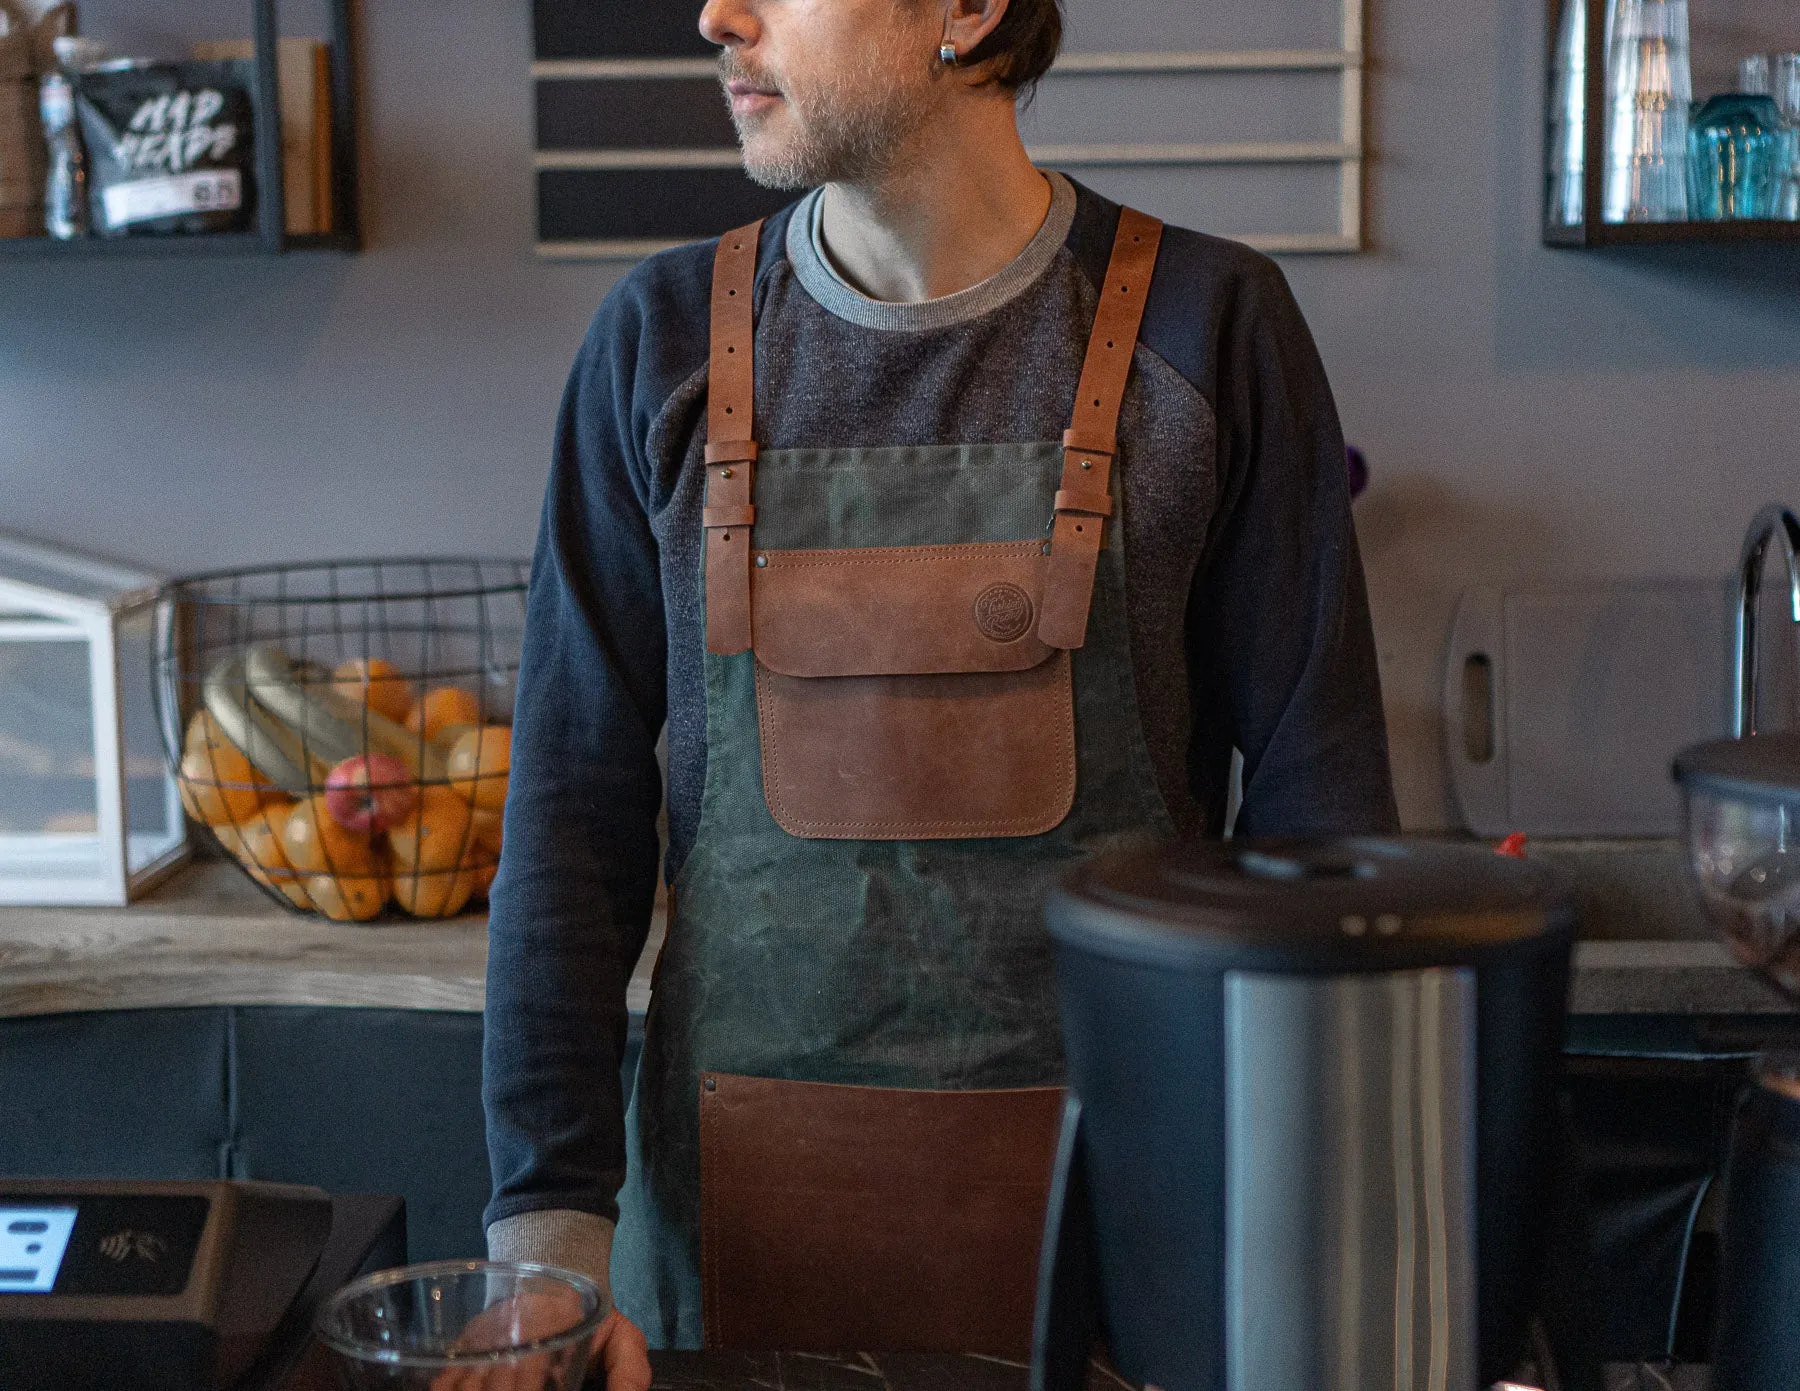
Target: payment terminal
183,1286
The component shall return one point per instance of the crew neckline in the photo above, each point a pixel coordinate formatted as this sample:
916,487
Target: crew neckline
812,265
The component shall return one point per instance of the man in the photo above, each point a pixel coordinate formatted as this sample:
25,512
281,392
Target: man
916,649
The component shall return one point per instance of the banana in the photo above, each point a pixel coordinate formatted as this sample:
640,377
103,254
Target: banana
272,748
272,682
335,726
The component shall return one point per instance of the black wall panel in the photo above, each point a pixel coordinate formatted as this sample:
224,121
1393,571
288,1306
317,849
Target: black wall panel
653,204
619,29
662,113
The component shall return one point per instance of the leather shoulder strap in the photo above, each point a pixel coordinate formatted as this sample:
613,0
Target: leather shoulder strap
730,512
1084,501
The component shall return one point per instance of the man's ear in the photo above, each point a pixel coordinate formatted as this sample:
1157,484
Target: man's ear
968,23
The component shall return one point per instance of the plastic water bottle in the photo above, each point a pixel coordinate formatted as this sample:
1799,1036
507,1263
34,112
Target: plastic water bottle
66,189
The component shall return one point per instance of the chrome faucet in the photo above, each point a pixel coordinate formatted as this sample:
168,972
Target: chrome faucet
1772,523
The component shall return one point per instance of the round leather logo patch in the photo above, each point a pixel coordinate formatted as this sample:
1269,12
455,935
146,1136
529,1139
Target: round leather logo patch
1003,612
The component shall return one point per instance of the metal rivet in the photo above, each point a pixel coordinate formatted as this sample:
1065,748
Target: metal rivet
712,1084
1045,550
1354,925
724,473
726,536
762,562
1387,924
1087,463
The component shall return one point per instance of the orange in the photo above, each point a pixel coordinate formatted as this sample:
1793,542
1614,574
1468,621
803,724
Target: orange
259,850
347,899
441,894
315,843
440,835
218,785
204,734
441,708
377,684
479,763
484,859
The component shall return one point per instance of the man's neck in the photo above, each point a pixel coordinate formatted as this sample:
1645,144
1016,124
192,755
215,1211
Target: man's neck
960,208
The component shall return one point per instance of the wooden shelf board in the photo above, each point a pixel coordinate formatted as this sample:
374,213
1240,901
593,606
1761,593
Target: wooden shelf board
1670,234
208,244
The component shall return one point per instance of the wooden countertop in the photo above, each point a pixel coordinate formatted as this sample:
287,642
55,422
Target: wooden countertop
209,937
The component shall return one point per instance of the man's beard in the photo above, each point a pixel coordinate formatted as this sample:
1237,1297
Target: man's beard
850,126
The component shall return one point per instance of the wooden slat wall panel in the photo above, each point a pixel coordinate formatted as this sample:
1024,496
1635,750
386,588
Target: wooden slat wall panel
635,149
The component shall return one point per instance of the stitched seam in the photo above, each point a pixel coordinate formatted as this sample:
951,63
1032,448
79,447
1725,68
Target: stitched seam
710,1317
784,560
768,721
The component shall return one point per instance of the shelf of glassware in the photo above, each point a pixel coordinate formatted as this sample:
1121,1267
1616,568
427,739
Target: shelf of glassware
1576,176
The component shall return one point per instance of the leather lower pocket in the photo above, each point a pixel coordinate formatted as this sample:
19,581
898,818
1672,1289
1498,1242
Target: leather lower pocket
837,1218
940,757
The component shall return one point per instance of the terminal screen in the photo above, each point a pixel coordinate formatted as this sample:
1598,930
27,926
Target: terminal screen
32,1243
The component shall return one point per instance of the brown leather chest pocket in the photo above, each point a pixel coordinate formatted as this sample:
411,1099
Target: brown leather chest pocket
902,694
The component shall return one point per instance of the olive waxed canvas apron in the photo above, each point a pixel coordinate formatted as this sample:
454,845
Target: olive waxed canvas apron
920,712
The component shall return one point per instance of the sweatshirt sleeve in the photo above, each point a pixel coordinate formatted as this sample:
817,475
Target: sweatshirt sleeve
570,909
1281,649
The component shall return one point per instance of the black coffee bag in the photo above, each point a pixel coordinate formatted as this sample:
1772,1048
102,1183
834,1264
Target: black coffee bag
171,147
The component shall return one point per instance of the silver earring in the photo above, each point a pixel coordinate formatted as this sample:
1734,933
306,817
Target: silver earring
947,54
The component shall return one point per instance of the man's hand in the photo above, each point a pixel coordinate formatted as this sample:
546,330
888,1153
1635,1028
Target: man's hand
624,1354
618,1344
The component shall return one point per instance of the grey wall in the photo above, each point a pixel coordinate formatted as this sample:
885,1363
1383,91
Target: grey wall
1530,414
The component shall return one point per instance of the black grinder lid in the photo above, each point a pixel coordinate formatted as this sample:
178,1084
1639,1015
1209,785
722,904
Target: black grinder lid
1312,905
1762,768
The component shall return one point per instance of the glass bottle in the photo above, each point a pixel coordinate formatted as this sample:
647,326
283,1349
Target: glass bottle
66,189
1736,158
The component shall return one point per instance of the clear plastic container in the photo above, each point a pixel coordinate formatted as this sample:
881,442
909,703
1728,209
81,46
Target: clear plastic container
456,1323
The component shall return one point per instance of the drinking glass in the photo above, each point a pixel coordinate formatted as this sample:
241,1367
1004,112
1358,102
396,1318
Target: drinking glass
456,1323
1737,158
1786,91
1649,87
1566,155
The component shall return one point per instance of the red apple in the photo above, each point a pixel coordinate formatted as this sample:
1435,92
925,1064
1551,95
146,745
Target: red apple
370,793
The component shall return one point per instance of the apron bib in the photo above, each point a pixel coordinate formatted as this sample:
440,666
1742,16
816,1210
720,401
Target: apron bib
920,713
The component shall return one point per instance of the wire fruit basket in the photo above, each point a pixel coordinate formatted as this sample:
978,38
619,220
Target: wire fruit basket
343,730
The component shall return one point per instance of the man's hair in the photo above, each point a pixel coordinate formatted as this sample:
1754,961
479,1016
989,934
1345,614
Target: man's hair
1023,45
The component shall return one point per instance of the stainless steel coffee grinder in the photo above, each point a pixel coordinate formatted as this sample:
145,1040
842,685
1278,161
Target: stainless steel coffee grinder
1309,1137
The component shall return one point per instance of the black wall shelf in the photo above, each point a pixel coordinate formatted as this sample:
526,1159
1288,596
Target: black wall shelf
1593,232
271,237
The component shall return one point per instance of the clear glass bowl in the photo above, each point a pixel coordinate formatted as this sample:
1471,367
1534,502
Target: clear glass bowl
1742,817
530,1326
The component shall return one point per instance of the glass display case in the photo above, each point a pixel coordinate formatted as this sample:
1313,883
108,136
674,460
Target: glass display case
89,813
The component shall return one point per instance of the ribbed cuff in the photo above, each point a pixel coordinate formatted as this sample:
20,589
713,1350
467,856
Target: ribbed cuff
570,1240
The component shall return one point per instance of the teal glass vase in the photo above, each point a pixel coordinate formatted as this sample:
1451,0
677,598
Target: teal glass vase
1737,157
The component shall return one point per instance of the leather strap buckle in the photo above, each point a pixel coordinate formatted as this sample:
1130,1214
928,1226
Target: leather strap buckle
1095,504
1090,444
728,516
731,452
